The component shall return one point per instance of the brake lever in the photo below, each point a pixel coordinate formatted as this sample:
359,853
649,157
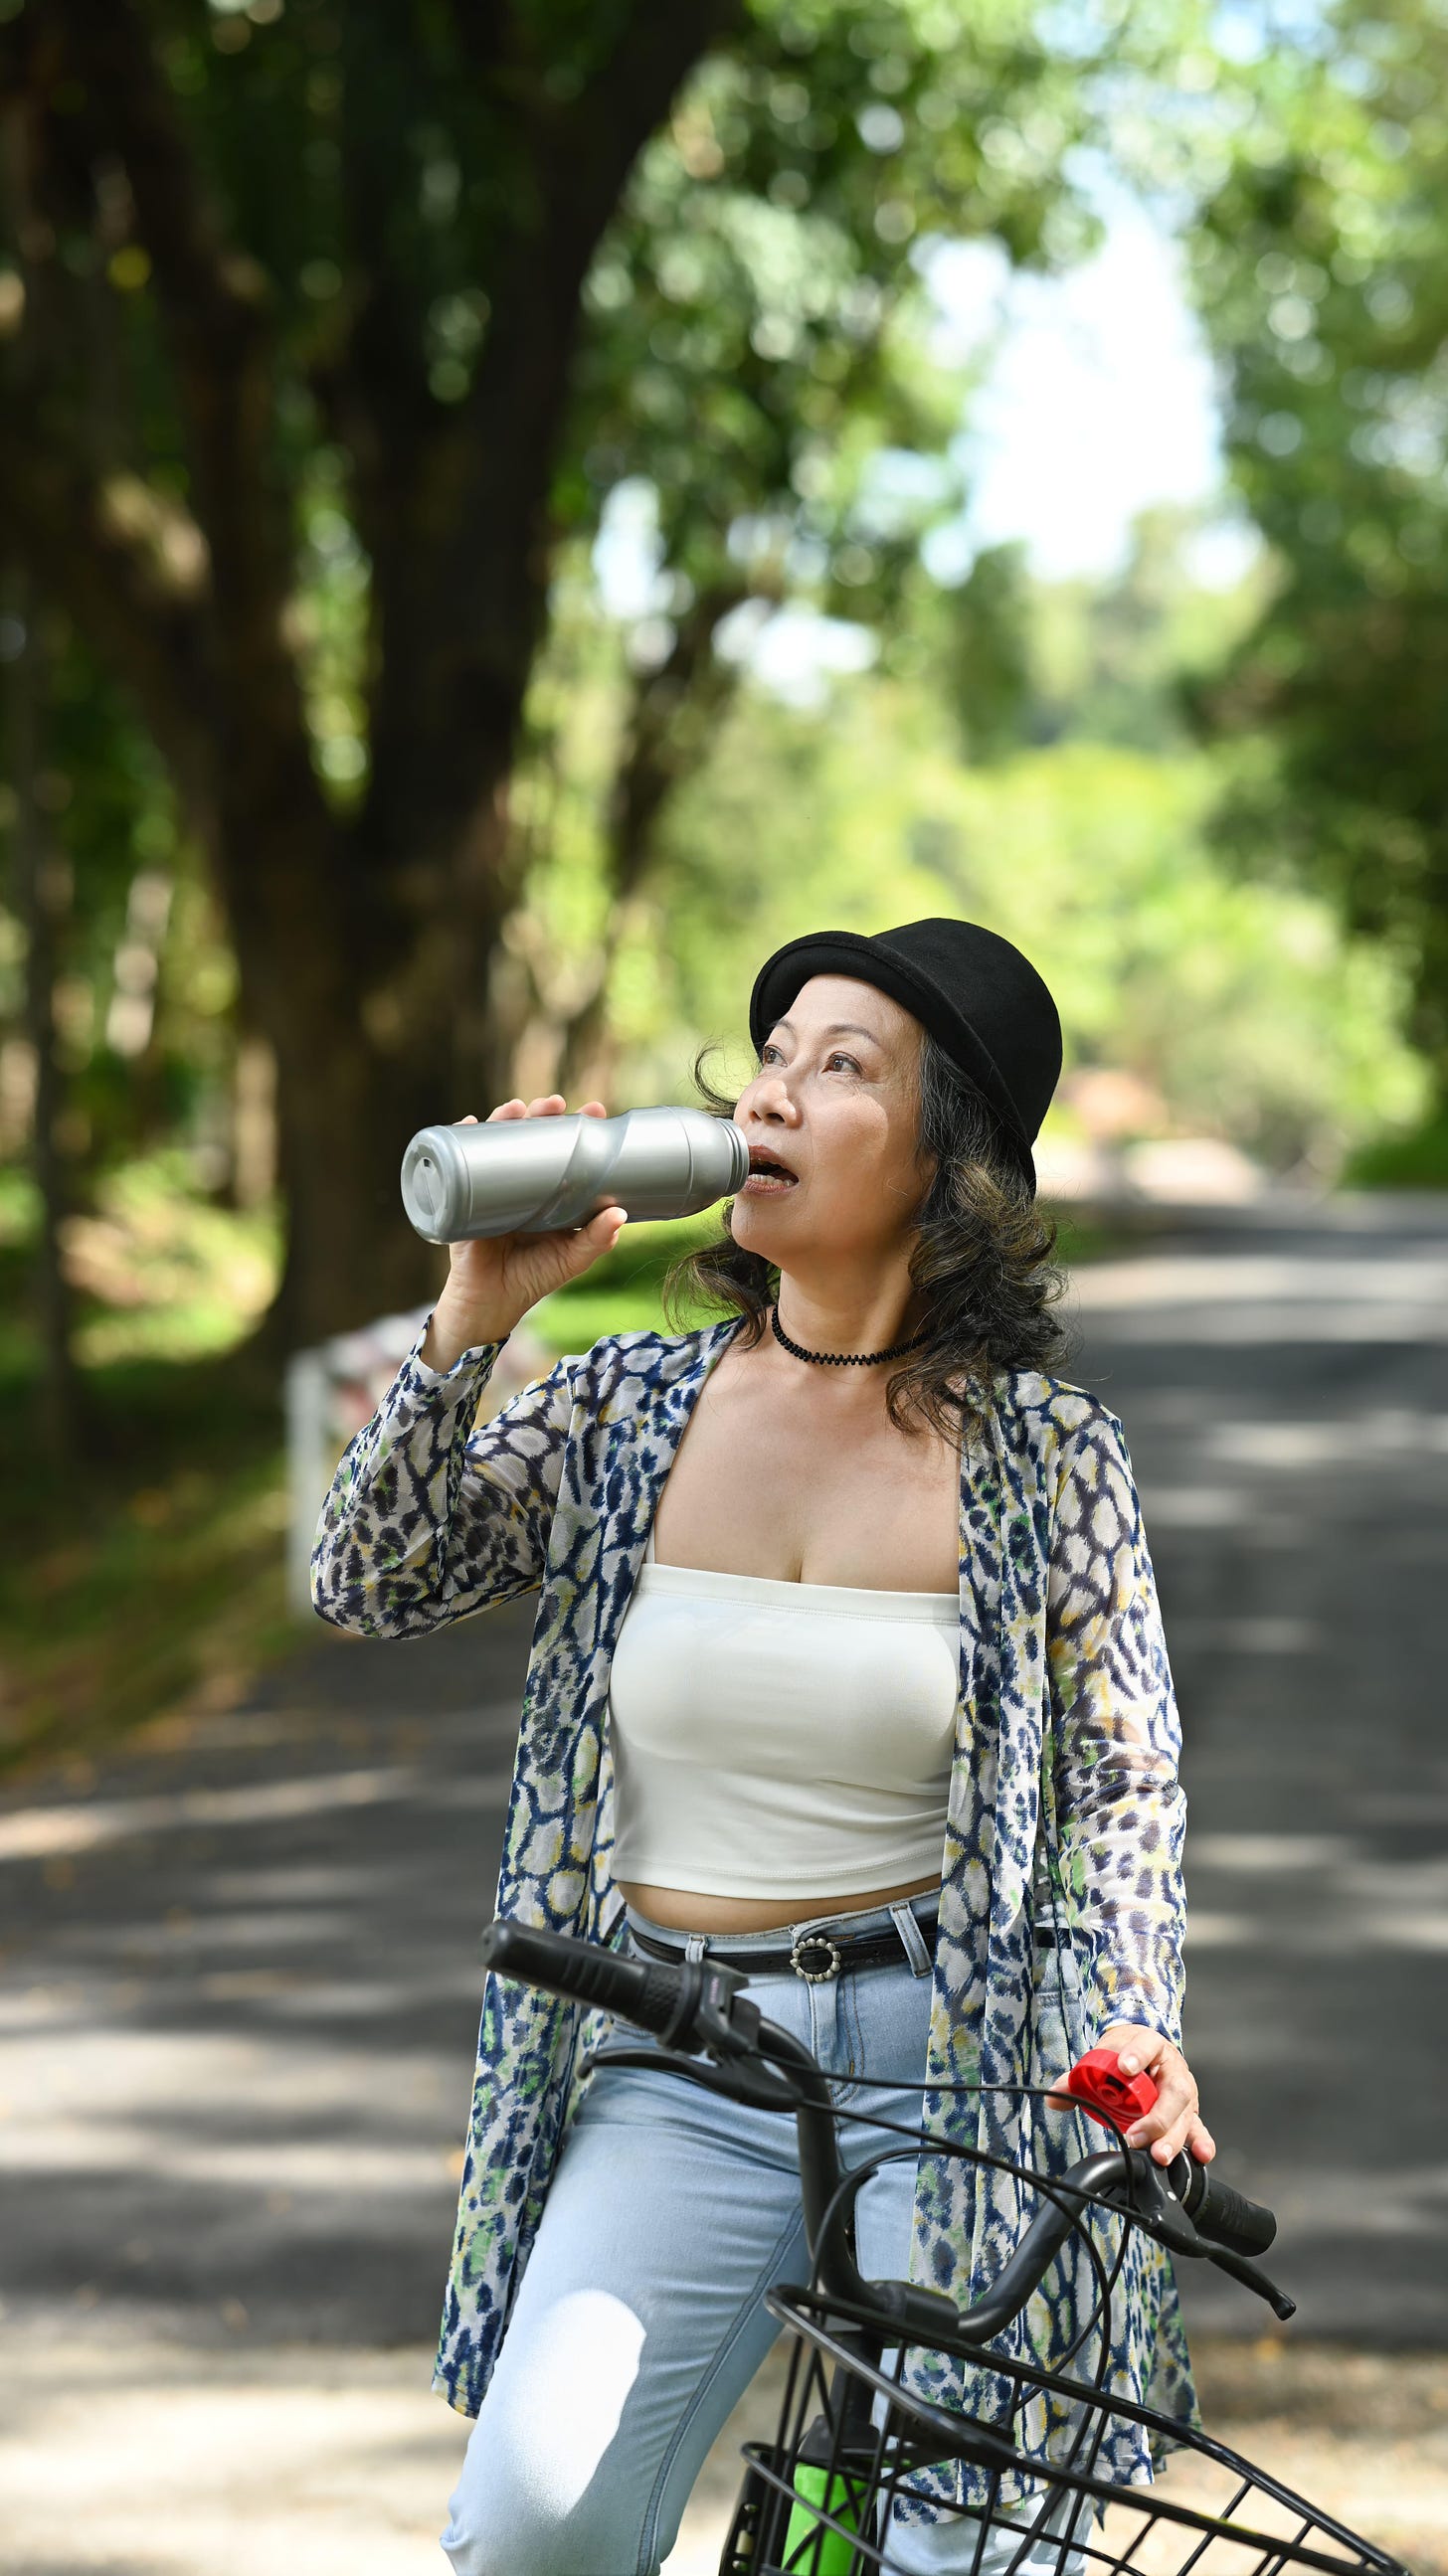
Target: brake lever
751,2082
1252,2278
1150,2197
1145,2193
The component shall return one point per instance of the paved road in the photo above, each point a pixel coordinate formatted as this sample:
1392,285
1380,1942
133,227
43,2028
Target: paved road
1284,1387
239,1981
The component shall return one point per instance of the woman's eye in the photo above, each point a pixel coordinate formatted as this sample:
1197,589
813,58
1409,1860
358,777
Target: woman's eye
839,1057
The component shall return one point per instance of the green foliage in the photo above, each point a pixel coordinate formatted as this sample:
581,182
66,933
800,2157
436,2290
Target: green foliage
757,337
738,340
139,1589
1321,272
1113,660
750,345
147,982
158,1571
1417,1160
161,1272
984,663
1242,1004
750,330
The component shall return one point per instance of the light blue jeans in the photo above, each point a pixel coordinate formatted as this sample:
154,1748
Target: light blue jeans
640,2320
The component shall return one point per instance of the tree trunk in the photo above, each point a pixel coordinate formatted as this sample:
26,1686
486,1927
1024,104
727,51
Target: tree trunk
375,987
351,1254
361,1065
41,899
366,952
345,1108
253,1122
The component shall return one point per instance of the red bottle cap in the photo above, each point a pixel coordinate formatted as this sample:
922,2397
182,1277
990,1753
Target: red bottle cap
1099,2086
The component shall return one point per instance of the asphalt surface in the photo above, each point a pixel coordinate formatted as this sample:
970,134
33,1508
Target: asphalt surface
238,1974
1284,1388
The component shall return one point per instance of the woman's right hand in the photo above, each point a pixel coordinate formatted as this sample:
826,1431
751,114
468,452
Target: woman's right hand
493,1279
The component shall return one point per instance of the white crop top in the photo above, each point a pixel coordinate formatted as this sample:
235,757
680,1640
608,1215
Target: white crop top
769,1736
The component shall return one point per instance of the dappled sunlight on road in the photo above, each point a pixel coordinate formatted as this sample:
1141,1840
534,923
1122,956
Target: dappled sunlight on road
1281,1378
39,1832
1385,1291
239,1985
176,2463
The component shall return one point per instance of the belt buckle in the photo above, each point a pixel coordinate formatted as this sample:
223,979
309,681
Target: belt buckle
816,1941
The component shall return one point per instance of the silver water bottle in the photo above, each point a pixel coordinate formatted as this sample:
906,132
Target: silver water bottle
535,1175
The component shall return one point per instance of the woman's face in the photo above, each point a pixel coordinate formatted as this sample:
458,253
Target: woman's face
835,1106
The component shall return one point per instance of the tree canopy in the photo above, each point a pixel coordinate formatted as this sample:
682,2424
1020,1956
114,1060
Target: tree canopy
1319,263
331,342
323,330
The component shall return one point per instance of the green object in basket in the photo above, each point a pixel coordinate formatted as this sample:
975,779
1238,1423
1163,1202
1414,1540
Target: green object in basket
808,2546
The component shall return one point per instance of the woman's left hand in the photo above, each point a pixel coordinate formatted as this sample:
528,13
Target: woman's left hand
1174,2123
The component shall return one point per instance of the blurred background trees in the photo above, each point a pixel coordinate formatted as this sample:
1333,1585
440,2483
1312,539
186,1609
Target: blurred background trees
1320,268
328,332
471,482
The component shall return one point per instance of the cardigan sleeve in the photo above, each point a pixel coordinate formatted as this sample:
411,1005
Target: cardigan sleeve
428,1518
1120,1807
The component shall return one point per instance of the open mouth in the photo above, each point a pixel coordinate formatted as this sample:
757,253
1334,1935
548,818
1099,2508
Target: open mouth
766,1174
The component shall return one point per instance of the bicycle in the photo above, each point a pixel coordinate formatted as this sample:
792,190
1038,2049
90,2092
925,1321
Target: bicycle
819,2500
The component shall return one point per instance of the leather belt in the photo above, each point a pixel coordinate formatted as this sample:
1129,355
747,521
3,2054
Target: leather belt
815,1956
818,1956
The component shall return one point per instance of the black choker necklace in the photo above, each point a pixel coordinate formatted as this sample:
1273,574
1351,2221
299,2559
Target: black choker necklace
841,1359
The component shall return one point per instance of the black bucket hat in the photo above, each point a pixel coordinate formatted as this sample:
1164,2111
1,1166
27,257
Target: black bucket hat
978,996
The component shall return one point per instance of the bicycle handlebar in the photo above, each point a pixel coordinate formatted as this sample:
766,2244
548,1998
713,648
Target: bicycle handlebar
1216,2211
695,2005
698,2006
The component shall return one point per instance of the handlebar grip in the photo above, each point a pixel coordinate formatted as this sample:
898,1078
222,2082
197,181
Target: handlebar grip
638,1990
1216,2211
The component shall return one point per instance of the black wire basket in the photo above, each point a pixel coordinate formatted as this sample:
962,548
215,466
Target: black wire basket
852,2439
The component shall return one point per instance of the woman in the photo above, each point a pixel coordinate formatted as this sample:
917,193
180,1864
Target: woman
847,1668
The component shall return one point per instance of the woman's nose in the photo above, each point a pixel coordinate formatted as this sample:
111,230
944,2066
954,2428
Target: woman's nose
768,1097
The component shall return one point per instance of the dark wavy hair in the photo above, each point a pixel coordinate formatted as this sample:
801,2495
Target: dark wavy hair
983,1265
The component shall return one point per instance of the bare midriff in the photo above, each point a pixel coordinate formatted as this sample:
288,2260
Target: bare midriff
681,1912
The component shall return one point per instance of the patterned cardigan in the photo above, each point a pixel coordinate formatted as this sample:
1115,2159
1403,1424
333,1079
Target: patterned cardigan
1064,1809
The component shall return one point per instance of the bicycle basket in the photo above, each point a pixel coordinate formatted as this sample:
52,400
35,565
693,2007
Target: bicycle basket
852,2440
